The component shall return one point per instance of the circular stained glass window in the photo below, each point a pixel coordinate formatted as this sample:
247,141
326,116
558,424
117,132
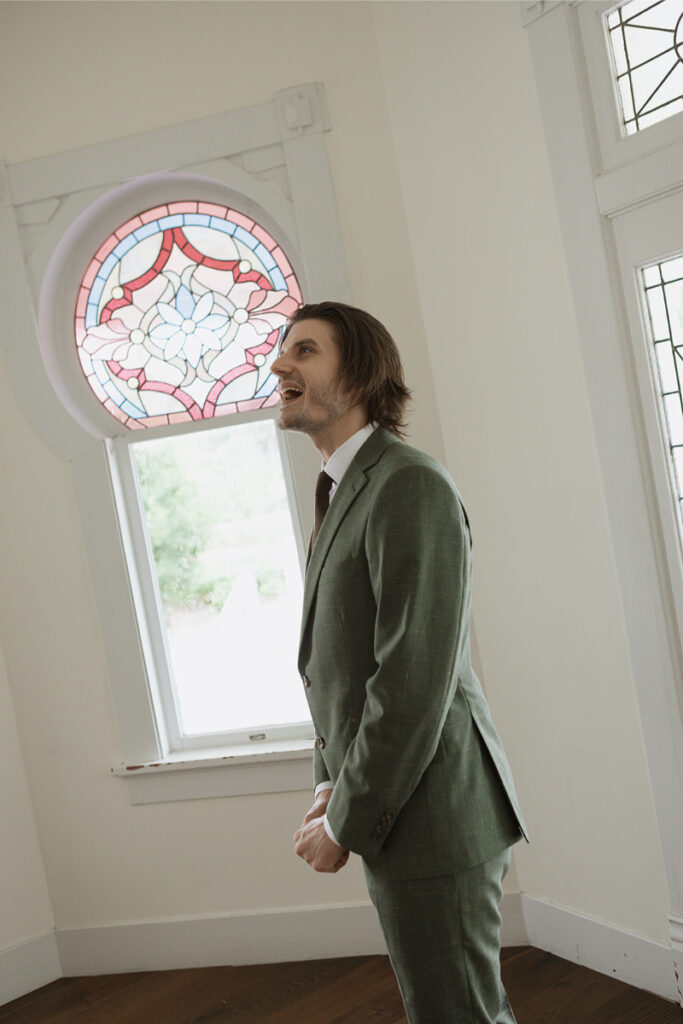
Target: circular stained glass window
179,313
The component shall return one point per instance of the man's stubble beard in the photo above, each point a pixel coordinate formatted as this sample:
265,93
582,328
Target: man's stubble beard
335,405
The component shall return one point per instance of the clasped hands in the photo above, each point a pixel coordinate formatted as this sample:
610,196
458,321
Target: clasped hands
312,843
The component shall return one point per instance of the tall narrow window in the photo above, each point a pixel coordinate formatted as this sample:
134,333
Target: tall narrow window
646,45
663,285
176,323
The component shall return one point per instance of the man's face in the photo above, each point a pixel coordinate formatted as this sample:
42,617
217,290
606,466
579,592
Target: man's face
314,399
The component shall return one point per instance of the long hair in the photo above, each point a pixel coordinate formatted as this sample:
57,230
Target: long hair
370,362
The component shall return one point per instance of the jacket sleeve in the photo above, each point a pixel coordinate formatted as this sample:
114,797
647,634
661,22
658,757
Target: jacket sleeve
418,552
320,772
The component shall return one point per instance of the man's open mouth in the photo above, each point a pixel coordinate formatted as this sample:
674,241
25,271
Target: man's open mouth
290,393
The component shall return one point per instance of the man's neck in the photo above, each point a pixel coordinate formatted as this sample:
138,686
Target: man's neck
341,432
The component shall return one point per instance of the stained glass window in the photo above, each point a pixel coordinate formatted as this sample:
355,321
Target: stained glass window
179,312
646,43
663,285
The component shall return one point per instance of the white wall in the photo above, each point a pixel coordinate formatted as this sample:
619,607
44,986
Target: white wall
514,411
26,910
450,234
106,861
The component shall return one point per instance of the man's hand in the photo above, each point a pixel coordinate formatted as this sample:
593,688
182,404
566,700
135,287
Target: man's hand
317,810
312,843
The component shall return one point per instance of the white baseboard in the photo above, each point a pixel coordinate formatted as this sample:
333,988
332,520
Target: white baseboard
309,933
27,966
242,938
260,937
513,932
631,958
676,933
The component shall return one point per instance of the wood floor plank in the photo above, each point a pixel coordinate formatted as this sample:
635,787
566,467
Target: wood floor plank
543,989
338,995
60,999
552,991
244,997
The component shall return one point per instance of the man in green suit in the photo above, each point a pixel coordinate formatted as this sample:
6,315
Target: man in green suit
409,771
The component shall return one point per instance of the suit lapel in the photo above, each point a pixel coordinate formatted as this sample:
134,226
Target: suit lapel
352,484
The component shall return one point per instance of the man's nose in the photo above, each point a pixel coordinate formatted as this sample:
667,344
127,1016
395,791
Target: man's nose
279,366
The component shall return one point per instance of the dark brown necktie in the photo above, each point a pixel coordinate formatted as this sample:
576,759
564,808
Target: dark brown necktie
322,502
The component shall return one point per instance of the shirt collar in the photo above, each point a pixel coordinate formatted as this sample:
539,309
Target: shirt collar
340,459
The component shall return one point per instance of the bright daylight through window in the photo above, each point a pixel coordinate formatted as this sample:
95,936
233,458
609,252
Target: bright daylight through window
228,574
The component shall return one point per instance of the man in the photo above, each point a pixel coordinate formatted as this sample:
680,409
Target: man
409,770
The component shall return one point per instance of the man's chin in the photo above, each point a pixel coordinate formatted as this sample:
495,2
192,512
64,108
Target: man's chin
287,421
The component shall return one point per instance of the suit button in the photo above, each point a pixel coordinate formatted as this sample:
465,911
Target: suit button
305,680
320,742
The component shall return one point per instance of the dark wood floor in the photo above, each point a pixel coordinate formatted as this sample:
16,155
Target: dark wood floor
543,989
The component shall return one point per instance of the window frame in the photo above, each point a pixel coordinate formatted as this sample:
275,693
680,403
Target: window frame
52,211
147,601
644,236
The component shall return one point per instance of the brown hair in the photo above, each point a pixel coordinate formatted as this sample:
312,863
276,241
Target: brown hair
370,362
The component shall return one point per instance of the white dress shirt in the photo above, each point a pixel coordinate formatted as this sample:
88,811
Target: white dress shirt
337,464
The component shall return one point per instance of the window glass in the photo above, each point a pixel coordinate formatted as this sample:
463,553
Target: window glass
228,576
663,285
646,44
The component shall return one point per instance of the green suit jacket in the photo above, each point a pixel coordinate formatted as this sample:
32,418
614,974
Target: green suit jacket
421,782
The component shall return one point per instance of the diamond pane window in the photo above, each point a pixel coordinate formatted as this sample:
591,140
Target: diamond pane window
178,315
663,284
646,44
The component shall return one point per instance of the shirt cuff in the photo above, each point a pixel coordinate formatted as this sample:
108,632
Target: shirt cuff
321,786
328,829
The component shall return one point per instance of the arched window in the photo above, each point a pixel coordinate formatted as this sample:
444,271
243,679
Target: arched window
177,319
148,280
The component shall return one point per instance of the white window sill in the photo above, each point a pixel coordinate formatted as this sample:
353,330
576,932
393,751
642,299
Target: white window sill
283,766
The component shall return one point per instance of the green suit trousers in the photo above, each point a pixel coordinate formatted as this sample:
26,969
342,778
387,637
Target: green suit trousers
443,937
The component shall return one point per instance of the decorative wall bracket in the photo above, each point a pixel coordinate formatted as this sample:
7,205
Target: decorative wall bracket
302,111
534,9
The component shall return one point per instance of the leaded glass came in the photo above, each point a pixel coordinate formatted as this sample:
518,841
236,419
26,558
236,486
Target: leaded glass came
646,43
663,284
179,312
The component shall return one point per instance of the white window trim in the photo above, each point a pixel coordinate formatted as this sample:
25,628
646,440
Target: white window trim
147,600
281,767
106,180
597,180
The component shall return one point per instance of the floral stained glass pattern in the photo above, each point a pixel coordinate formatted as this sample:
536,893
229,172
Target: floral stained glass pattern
179,312
646,42
663,284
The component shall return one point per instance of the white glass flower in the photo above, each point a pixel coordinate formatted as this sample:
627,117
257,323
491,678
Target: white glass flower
189,327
